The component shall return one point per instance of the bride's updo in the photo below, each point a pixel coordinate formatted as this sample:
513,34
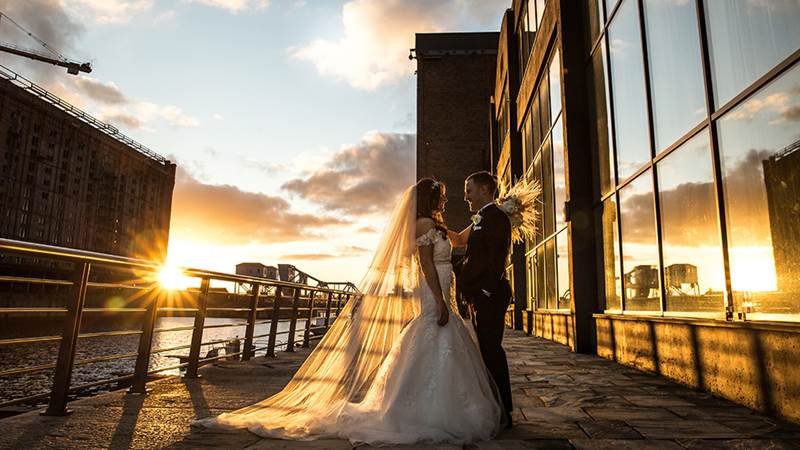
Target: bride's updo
431,197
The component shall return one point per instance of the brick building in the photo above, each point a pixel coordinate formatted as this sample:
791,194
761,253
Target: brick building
455,81
72,181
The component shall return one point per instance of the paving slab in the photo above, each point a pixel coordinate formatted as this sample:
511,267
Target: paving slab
562,400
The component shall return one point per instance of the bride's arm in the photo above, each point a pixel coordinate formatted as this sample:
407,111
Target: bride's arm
429,269
459,239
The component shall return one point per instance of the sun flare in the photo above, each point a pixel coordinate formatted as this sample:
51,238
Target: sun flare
172,278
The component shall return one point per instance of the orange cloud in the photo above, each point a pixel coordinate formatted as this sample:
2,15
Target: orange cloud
364,178
226,214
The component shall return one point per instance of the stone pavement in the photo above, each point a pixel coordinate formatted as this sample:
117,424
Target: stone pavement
563,400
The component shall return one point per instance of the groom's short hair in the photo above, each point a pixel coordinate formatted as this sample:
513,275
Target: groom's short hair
485,179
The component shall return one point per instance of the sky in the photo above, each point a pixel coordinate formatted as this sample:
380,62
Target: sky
291,122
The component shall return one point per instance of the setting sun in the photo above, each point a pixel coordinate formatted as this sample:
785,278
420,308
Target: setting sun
172,278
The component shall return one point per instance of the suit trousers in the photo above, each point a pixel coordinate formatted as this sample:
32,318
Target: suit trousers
489,326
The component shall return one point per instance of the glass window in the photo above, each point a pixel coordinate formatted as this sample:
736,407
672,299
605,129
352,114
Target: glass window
747,39
639,246
524,42
555,86
559,174
547,188
611,263
760,151
544,105
594,22
628,89
676,73
691,248
600,136
550,273
537,177
541,303
610,6
562,266
537,127
527,145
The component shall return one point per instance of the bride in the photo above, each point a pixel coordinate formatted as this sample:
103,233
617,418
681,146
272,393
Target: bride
399,365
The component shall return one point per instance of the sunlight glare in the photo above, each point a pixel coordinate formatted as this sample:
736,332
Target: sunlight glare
172,278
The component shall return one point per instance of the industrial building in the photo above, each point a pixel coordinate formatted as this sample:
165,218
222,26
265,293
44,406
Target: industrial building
72,181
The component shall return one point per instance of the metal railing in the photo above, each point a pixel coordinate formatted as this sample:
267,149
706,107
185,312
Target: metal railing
300,301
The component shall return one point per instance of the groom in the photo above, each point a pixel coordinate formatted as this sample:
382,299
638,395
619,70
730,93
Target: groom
483,280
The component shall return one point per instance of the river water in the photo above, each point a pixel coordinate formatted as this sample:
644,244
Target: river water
28,355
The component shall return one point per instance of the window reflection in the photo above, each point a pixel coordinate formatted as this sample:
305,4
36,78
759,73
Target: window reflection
639,246
536,130
527,144
544,105
594,22
547,188
611,262
537,177
550,273
559,177
555,86
530,263
676,76
692,252
541,301
746,39
600,137
627,77
562,265
760,150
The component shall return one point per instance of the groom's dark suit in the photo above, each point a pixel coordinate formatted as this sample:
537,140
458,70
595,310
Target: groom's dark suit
482,272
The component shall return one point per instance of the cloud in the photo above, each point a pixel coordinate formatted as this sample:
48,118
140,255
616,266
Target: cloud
344,252
46,19
378,34
165,16
107,93
225,214
361,179
692,210
233,6
109,11
367,229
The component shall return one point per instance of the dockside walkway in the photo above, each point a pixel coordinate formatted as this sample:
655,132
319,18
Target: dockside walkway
563,400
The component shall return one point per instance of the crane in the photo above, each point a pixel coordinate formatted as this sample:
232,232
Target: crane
73,67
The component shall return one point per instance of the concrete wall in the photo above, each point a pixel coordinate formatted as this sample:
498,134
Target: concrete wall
555,326
754,364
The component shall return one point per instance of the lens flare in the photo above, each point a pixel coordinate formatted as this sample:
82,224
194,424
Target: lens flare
171,278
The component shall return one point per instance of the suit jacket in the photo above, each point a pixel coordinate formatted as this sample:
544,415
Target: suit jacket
485,259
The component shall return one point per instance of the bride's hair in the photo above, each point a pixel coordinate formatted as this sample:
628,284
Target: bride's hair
431,197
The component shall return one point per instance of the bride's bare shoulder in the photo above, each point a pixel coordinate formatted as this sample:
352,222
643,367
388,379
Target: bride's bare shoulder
424,224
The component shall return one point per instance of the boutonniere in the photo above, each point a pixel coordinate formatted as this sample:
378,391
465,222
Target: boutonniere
476,219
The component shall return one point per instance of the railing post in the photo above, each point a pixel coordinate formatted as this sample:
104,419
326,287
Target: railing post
309,317
197,332
328,311
273,325
293,321
251,324
145,344
69,340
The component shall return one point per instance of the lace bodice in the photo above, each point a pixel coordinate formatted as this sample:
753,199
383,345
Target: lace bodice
442,249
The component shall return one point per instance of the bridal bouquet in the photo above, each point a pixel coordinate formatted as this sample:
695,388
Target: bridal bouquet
519,204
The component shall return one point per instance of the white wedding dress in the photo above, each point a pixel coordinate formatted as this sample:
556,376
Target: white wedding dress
386,372
433,386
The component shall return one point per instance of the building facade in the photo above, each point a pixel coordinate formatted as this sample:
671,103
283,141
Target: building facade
665,136
455,80
72,181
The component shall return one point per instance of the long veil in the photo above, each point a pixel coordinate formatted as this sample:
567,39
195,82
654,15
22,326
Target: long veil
342,367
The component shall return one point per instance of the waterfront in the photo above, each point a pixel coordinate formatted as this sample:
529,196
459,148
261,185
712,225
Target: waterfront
29,355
